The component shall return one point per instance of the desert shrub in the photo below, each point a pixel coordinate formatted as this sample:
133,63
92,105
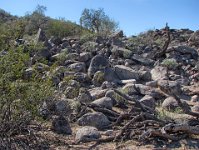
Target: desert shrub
87,37
20,98
170,63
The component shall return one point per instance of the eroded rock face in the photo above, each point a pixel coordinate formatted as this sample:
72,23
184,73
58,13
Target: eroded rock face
95,119
87,134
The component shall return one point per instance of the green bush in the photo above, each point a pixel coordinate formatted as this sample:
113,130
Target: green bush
170,63
20,98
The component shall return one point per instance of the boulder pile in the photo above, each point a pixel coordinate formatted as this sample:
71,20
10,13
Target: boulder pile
117,84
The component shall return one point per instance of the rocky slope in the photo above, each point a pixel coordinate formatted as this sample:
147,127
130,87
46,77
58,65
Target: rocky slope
143,88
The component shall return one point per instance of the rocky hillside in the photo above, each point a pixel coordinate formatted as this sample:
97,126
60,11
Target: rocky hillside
127,92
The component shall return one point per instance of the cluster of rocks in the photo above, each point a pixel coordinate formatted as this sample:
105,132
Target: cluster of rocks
87,74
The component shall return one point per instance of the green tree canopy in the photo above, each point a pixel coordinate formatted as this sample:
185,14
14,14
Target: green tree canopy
97,21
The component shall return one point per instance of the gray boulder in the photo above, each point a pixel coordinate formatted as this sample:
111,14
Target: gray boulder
141,60
87,134
104,102
183,49
125,73
61,125
98,63
95,119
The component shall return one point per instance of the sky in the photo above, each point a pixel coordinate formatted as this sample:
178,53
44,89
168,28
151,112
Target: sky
134,16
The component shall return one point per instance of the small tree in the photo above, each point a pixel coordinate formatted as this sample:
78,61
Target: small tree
36,20
97,21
